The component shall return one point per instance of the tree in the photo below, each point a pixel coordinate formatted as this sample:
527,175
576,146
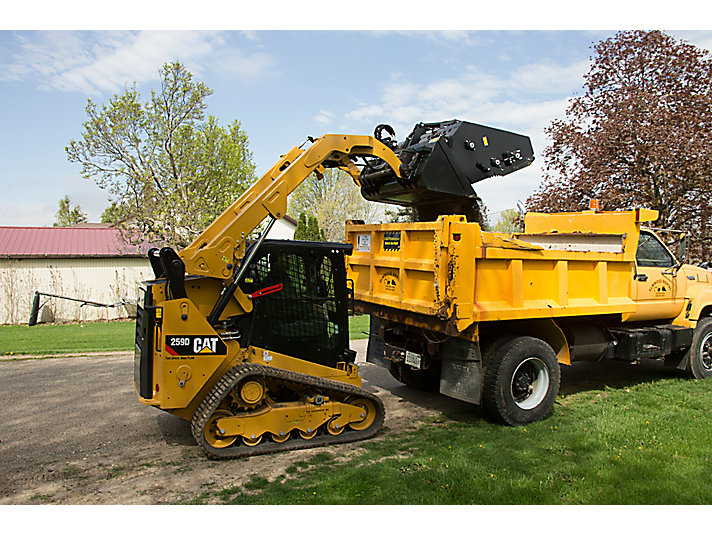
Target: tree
333,200
639,136
112,214
509,221
169,170
308,229
68,215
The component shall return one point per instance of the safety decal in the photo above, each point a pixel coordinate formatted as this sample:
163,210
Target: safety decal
189,345
363,242
389,281
391,240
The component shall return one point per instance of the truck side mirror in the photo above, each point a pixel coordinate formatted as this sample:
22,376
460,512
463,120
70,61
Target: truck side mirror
682,254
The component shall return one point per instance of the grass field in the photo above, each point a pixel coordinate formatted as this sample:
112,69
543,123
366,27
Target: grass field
640,444
95,337
67,338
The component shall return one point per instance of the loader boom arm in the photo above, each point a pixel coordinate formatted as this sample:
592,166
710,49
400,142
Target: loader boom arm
216,252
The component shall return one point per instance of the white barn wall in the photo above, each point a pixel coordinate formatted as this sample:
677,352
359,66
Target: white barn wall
282,229
104,280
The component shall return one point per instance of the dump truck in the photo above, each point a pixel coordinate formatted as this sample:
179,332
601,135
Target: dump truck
247,337
488,318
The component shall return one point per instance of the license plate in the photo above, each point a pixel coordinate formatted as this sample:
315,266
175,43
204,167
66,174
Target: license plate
412,359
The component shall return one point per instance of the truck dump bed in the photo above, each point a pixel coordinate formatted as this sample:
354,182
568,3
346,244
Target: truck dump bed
564,264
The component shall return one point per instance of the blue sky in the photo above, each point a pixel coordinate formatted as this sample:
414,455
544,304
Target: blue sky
283,85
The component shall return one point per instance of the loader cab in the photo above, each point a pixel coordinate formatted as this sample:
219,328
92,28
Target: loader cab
305,314
657,288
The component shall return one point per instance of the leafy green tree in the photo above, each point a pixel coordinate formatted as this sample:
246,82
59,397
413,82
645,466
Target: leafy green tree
509,221
308,229
300,232
112,214
67,215
333,200
169,169
315,233
640,135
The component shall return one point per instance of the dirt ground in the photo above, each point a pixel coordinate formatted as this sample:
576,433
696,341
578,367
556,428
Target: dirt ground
73,432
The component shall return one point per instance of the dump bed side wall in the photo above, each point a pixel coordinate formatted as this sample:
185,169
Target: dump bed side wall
452,270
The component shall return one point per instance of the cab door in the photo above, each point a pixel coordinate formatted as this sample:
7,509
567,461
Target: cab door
657,288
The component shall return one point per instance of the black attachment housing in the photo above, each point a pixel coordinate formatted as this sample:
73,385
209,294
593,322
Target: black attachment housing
440,163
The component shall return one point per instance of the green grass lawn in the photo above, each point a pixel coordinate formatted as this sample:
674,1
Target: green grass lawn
640,444
95,337
67,338
358,326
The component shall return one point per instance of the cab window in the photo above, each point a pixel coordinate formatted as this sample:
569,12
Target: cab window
652,253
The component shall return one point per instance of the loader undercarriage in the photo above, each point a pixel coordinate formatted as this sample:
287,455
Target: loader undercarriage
257,409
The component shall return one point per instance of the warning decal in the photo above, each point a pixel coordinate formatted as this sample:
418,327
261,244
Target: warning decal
391,240
363,242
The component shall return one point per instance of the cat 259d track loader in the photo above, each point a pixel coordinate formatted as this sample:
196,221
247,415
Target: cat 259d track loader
249,340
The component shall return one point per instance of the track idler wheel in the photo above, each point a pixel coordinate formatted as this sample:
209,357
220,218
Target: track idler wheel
368,413
280,439
251,441
213,436
334,428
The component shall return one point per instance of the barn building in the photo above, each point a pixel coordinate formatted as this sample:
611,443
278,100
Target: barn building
88,261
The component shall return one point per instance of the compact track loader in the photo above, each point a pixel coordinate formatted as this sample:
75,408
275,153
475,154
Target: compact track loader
249,340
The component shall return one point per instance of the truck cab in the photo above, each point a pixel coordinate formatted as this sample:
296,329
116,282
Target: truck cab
658,282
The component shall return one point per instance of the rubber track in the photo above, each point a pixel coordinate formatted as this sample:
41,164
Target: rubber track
241,372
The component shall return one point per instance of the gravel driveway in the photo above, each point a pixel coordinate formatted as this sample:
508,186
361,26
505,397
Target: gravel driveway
73,432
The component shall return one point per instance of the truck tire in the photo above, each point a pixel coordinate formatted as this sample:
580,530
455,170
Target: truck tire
521,380
700,353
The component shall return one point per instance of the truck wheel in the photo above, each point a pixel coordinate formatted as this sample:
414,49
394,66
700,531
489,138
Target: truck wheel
700,363
521,380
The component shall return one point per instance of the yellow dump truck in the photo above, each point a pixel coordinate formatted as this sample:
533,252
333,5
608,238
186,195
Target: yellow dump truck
488,317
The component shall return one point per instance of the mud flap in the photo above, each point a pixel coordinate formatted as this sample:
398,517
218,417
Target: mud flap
376,349
461,375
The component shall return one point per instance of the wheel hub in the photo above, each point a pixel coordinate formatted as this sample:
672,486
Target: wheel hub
530,383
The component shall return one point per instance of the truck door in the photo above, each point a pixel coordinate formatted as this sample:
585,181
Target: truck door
657,288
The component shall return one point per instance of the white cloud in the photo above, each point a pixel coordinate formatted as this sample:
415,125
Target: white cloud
548,77
524,100
364,113
94,62
241,64
324,117
441,37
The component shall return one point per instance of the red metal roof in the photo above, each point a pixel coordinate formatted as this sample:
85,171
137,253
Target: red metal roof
38,242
